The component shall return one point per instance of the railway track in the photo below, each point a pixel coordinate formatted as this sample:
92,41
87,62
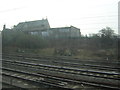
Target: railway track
51,80
58,58
67,69
37,78
88,64
108,78
102,73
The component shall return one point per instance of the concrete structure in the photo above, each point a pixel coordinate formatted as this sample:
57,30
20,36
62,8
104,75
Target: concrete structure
32,26
63,32
42,27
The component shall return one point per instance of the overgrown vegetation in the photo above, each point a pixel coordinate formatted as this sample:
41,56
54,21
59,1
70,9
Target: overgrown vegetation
104,44
19,39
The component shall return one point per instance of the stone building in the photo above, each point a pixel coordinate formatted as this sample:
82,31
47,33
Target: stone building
42,27
32,26
63,32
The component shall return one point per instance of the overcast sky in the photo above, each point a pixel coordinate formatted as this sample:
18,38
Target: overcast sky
88,15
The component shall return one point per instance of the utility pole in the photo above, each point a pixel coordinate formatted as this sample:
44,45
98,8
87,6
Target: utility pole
119,17
119,30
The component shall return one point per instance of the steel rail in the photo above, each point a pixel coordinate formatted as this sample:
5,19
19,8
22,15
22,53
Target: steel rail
64,79
76,71
56,57
73,64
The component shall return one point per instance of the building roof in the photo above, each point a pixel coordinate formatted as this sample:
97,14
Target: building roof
63,28
33,25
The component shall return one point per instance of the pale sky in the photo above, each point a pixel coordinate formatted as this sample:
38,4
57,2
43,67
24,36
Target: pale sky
88,15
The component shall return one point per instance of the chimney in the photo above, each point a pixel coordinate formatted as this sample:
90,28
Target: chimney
4,27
